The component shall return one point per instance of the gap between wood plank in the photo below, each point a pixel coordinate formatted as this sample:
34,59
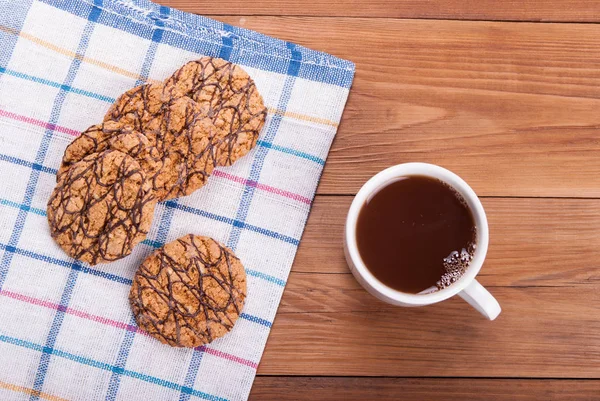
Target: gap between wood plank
487,286
418,389
495,197
213,15
433,377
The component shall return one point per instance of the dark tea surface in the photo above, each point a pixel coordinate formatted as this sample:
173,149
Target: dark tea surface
416,233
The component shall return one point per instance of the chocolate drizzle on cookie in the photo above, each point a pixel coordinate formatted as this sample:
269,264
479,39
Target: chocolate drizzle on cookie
182,136
189,292
209,113
243,123
228,96
101,207
137,106
93,140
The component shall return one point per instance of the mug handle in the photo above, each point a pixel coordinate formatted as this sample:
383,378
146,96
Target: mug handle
479,298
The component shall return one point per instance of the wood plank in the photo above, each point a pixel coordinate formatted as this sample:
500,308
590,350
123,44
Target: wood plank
534,10
341,293
542,332
533,241
352,388
511,107
543,269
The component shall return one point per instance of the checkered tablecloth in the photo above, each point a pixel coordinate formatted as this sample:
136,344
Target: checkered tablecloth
66,330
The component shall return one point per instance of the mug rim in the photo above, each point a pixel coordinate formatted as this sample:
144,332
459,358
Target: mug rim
386,177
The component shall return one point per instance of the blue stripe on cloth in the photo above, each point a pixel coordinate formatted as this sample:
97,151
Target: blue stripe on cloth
266,277
225,52
152,243
12,15
256,320
57,321
74,266
25,163
127,342
42,369
290,151
161,238
258,162
243,208
115,378
237,224
261,143
138,20
16,205
105,366
295,62
64,263
192,372
145,71
56,85
157,35
164,226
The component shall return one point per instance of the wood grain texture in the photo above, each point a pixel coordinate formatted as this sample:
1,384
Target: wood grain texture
328,325
511,107
543,270
349,389
533,10
533,241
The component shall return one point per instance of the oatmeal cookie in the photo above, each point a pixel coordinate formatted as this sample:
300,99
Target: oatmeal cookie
101,208
189,292
228,96
175,147
137,106
110,135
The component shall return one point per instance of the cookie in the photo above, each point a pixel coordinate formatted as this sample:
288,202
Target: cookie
137,106
228,96
137,146
183,137
110,135
101,208
175,147
92,140
189,292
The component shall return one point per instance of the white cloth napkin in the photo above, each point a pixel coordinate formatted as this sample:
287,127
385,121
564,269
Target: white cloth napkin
66,330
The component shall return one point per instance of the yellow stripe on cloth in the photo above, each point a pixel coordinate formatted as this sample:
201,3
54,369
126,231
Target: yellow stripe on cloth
298,116
129,74
26,390
71,53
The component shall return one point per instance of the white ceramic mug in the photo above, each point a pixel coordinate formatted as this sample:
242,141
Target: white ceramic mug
466,286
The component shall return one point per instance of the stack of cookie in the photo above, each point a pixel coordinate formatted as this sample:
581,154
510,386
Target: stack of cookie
158,141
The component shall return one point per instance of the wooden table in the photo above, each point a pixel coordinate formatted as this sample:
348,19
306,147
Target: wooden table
507,95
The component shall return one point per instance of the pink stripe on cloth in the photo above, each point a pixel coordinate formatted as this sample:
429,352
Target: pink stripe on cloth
39,123
114,323
218,173
30,300
100,319
70,311
227,356
263,187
